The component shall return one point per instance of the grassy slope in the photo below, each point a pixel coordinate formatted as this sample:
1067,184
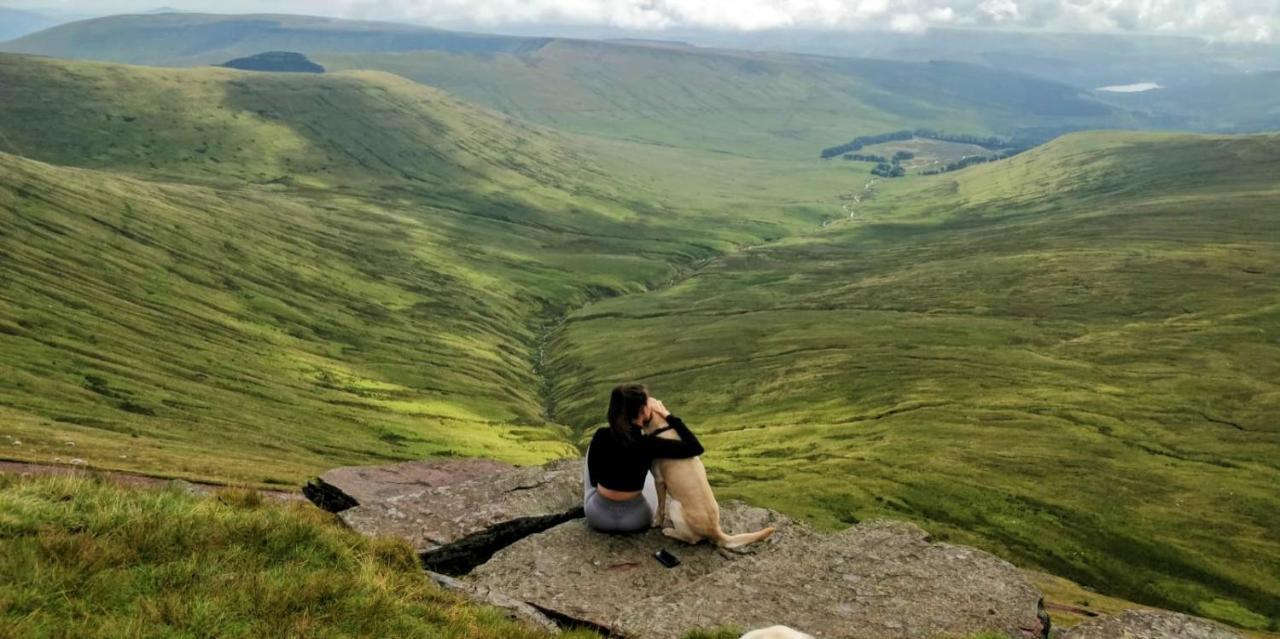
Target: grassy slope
281,274
1069,358
82,558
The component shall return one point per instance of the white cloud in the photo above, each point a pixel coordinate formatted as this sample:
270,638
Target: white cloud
908,23
1239,20
940,15
999,10
1247,20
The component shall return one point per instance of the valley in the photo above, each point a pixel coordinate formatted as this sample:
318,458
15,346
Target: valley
453,245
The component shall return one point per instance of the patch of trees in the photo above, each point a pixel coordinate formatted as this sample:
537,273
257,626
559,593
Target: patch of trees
987,142
278,61
972,160
885,167
990,142
857,143
888,170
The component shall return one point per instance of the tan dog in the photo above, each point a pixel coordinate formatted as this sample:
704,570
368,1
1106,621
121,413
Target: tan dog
685,495
775,632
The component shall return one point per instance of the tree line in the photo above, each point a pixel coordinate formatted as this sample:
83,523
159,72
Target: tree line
892,167
972,160
991,142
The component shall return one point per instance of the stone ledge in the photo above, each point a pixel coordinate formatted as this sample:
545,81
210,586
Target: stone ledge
1149,624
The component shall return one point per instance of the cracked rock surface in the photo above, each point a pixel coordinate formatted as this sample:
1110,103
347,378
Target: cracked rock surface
1149,624
877,579
456,513
369,484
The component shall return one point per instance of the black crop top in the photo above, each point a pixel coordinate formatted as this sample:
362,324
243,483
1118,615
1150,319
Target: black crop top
621,466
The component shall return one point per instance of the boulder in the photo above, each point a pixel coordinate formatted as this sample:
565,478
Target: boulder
877,579
455,513
1149,624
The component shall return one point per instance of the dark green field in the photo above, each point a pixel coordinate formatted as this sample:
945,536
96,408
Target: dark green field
1068,357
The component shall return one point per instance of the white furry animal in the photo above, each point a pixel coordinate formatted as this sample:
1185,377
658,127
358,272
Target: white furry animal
776,632
685,495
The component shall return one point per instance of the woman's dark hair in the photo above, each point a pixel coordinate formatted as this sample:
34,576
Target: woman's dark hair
626,402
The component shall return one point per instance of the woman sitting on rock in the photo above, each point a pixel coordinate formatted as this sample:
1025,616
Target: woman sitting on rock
617,483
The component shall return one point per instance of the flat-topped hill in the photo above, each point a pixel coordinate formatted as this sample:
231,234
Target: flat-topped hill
178,39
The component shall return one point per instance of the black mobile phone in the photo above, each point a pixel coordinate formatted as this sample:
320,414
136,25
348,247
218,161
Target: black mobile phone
667,559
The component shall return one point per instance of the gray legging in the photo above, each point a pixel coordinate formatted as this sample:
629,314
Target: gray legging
608,515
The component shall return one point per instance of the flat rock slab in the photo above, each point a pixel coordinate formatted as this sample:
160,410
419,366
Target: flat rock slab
574,572
456,514
1149,624
875,580
350,486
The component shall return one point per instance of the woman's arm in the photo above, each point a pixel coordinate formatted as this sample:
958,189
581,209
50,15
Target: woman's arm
687,446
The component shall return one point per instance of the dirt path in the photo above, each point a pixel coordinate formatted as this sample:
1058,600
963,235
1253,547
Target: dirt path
130,479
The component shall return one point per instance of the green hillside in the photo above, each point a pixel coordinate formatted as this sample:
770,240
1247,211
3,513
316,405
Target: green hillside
88,559
259,276
755,104
1069,357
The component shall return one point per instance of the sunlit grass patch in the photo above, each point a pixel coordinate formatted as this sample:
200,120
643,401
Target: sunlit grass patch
81,557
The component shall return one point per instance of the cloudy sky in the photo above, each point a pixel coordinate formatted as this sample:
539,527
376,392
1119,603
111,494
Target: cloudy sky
1234,20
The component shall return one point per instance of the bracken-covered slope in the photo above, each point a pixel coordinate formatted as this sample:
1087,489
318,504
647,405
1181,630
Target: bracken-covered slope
1068,357
257,276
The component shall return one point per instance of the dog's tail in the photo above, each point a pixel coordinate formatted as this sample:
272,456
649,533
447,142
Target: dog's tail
738,541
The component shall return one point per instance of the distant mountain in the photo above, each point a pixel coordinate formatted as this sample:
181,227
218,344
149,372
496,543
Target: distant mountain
753,103
1241,102
190,39
1084,60
15,23
279,61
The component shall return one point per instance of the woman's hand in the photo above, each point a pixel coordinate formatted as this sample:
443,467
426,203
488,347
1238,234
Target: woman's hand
658,407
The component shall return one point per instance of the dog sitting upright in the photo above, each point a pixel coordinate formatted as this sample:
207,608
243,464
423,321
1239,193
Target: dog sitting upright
685,495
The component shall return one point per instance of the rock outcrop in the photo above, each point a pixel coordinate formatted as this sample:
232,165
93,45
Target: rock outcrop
513,537
455,513
1149,624
877,579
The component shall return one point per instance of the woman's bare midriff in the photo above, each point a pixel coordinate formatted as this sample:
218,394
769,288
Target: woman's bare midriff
616,495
